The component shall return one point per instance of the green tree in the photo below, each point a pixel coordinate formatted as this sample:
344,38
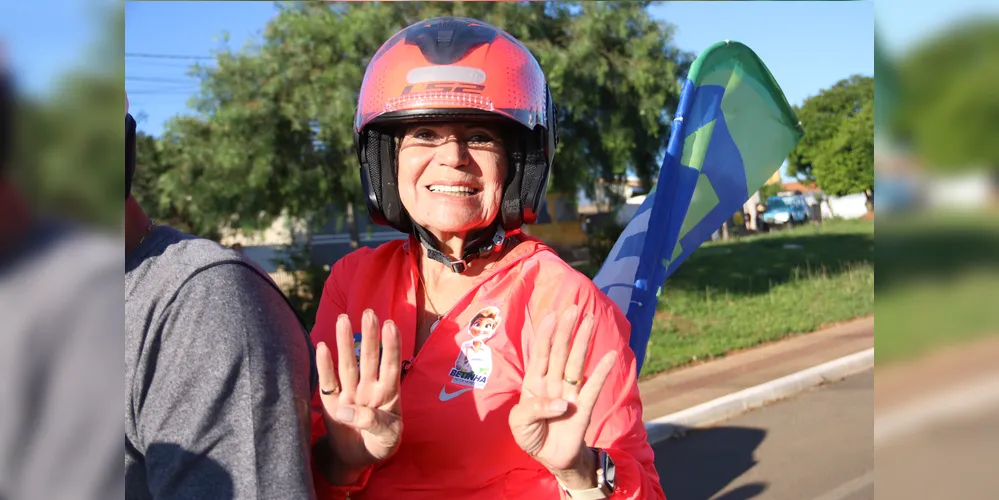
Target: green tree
886,87
273,130
770,190
837,151
69,144
847,164
155,183
949,104
149,166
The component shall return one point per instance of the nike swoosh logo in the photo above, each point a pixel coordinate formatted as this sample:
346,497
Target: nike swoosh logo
448,396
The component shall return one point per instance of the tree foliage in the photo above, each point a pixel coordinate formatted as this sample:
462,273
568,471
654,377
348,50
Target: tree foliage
949,104
68,152
273,125
837,150
847,164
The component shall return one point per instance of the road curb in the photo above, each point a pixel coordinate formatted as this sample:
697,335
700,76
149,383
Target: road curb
725,407
959,400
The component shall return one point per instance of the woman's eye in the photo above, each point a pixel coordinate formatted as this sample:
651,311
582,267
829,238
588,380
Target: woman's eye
425,135
480,139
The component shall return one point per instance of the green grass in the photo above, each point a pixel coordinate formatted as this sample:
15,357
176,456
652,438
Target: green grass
737,294
938,283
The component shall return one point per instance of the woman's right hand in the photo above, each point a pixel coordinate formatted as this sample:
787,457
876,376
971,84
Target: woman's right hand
362,411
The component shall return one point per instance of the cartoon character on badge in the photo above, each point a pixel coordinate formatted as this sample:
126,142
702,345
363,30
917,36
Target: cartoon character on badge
476,357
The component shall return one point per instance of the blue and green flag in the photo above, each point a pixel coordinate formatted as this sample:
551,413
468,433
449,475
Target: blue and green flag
732,130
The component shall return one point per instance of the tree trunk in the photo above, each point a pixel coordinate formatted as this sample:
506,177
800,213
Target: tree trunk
724,229
355,238
753,202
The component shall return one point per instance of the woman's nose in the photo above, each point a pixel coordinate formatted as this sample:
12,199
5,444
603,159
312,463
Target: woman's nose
452,153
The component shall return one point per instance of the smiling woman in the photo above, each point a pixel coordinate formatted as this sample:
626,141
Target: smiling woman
451,179
502,340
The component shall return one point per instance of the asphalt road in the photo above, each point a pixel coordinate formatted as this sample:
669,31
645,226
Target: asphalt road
815,446
956,459
943,442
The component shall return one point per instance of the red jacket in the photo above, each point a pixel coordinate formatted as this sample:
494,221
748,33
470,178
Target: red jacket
458,390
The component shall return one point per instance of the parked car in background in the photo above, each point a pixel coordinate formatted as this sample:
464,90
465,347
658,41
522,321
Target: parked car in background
789,210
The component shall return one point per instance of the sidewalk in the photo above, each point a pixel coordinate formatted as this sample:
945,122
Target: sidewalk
935,422
942,389
671,392
942,369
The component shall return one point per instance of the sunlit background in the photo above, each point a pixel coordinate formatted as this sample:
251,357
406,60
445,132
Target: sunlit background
936,205
937,283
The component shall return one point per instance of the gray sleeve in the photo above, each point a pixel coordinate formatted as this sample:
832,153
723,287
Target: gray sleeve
225,408
62,387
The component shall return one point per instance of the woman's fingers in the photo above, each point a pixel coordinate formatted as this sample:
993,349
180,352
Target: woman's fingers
560,351
390,370
575,366
347,361
591,389
535,410
537,363
370,343
329,387
378,422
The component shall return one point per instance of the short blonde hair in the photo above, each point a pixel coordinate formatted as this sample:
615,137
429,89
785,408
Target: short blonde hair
491,312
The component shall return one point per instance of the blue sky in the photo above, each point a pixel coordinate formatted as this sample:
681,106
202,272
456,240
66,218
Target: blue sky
807,45
42,42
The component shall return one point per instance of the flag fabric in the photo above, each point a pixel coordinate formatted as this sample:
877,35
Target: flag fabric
732,130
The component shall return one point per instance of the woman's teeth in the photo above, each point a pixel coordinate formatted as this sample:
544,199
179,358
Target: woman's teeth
453,190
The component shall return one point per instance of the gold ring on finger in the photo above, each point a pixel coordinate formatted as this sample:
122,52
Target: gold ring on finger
570,382
329,393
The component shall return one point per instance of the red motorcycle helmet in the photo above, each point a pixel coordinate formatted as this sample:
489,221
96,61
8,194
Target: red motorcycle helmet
456,69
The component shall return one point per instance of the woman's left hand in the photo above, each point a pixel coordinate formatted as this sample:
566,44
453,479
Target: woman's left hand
551,418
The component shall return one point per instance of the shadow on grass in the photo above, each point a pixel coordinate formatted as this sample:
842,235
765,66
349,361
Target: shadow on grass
935,253
754,266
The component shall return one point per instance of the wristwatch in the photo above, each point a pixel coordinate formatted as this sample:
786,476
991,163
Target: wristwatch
605,479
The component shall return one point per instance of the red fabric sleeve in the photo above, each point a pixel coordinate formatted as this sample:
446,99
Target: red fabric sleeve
332,303
617,425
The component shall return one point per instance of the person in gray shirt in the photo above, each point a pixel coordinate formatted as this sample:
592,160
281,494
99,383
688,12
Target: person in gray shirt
219,371
60,335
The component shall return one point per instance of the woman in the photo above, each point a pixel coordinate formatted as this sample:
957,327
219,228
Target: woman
517,380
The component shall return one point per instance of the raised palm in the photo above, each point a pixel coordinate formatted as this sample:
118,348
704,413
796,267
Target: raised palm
361,407
550,420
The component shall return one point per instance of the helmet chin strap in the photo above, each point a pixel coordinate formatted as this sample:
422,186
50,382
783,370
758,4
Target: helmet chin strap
486,242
